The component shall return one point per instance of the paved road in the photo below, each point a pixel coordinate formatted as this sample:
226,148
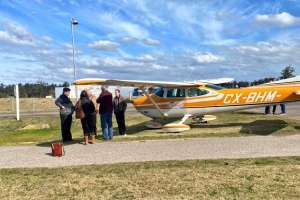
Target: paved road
120,152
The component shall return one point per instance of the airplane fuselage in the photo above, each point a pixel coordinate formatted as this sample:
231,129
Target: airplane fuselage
213,100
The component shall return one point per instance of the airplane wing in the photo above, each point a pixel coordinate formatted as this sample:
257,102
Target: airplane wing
218,80
136,83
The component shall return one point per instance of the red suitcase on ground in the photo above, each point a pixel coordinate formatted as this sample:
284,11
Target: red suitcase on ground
57,149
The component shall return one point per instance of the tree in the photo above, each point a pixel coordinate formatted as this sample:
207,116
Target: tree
287,72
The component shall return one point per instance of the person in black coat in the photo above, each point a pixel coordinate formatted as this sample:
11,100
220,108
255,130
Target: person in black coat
88,120
66,110
120,105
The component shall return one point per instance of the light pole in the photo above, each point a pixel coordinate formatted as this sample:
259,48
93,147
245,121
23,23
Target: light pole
74,22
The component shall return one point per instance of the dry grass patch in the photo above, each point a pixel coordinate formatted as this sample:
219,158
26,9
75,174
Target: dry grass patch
266,178
28,105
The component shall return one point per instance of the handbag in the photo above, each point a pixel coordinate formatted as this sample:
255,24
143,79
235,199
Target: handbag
57,149
79,114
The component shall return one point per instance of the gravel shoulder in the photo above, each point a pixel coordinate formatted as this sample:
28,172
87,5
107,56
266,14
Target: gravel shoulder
156,150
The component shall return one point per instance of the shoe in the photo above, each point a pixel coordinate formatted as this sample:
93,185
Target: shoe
86,140
93,139
282,114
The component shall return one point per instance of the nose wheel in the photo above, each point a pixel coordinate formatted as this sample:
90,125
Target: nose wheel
177,127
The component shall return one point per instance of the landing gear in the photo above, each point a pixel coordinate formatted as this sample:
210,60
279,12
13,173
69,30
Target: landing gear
203,119
177,127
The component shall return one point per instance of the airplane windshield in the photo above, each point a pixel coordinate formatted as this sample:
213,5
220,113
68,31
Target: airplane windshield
193,92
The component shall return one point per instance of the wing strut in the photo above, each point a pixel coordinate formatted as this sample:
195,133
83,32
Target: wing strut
154,103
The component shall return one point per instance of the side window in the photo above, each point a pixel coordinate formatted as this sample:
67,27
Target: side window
180,92
159,92
171,92
176,92
194,92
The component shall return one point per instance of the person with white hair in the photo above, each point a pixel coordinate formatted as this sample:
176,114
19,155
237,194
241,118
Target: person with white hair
105,110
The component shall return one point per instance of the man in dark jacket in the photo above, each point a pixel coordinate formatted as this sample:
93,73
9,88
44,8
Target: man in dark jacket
106,110
120,106
66,110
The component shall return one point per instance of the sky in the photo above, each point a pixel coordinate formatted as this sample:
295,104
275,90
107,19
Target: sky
167,40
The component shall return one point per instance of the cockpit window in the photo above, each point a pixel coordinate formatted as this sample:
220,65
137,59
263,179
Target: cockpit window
137,92
159,92
176,92
194,92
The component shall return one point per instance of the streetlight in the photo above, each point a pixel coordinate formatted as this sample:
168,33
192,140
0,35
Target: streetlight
74,22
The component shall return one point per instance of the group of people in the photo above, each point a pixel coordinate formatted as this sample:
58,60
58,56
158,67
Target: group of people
86,109
268,109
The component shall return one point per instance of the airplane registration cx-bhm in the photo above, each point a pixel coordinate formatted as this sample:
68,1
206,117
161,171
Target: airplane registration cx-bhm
184,100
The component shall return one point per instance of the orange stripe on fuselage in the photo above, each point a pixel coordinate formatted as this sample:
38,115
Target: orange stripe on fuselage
266,94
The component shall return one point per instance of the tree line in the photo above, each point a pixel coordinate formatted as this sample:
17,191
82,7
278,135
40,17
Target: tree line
287,72
42,89
27,90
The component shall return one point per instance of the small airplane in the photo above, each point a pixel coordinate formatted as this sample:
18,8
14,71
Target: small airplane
184,100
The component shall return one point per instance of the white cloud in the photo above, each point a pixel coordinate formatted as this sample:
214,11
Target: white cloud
146,57
104,45
283,19
18,30
264,48
159,67
122,27
16,34
47,38
66,70
151,42
128,39
68,45
90,71
205,58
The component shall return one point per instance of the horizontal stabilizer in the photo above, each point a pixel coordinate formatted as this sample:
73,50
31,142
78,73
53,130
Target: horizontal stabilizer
295,79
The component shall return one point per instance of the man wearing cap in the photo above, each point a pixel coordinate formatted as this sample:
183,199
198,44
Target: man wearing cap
106,110
66,110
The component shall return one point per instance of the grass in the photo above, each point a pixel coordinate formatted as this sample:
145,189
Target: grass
227,124
264,178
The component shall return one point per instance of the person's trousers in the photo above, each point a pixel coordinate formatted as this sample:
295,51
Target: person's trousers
106,125
282,107
66,123
267,110
120,117
88,124
274,109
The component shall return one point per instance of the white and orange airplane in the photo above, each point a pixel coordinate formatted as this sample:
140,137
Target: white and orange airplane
184,100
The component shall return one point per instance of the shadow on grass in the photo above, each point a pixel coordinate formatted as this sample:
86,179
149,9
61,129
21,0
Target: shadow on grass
250,113
258,127
263,127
